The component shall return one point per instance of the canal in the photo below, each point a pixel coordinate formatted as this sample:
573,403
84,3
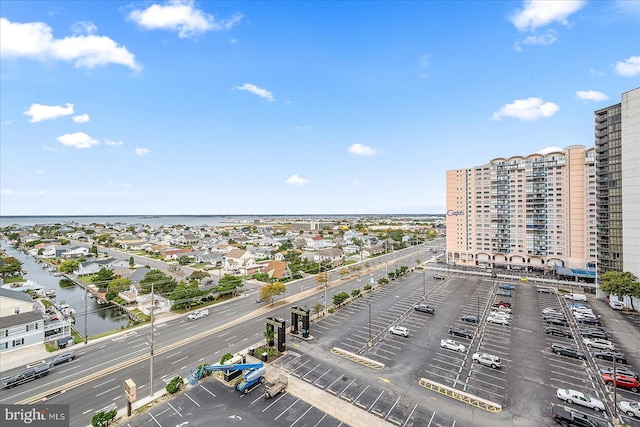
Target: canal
99,319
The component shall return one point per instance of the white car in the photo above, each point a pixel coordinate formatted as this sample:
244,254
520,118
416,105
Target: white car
551,310
399,330
498,320
500,314
198,314
579,398
630,408
616,305
487,359
452,345
599,343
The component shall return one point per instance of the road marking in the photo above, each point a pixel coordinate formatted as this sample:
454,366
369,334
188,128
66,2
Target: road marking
174,354
189,397
179,360
319,421
154,419
177,412
70,369
302,416
376,401
230,338
87,411
107,391
345,389
286,410
106,382
207,390
356,399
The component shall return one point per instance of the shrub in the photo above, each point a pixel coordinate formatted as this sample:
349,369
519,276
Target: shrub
102,418
367,287
174,385
226,357
331,310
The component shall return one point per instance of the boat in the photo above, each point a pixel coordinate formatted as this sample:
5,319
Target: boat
23,286
51,293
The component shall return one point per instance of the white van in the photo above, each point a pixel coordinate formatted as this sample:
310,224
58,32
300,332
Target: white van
616,305
576,297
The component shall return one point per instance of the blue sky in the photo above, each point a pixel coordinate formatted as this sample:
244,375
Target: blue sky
292,107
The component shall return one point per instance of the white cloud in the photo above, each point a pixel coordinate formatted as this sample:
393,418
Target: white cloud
77,140
362,150
6,192
84,27
82,118
591,95
34,40
113,143
142,151
262,93
538,13
180,16
541,40
526,109
39,112
296,180
629,67
39,171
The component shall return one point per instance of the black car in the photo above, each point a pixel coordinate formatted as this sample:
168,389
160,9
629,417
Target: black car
460,332
567,417
553,330
546,291
609,355
621,370
424,308
568,351
557,321
470,319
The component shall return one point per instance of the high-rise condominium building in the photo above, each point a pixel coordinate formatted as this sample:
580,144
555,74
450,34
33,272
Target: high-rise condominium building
617,141
534,212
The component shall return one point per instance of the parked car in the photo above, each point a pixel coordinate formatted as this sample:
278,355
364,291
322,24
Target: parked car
487,359
259,300
198,314
559,321
565,350
616,305
439,276
554,330
609,355
599,343
576,297
460,332
630,408
577,397
552,310
588,321
593,333
506,286
567,417
452,345
58,359
498,320
502,303
621,370
399,330
424,308
504,294
546,291
503,309
622,381
469,319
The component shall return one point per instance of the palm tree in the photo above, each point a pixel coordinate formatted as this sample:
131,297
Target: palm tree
270,335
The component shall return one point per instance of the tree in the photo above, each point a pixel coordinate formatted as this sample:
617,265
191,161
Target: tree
339,298
322,278
184,260
131,262
270,335
198,275
622,284
104,275
10,266
269,291
228,283
317,308
68,266
119,284
94,250
162,283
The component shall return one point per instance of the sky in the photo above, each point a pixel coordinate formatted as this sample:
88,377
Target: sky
292,107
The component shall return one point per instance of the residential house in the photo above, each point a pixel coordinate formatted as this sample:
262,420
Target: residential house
315,243
20,324
188,239
349,235
94,265
351,249
75,252
368,252
277,270
175,254
54,251
238,260
333,255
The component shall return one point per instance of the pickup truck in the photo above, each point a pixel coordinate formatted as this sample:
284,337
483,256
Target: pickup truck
198,314
567,417
26,375
279,386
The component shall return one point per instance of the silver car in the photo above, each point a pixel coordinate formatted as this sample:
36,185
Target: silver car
487,360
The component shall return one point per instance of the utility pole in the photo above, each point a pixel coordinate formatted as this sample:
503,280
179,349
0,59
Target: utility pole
153,306
86,335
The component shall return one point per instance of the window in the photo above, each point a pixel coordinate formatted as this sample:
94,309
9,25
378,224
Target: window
18,343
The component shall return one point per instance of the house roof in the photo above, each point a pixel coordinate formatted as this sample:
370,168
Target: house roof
21,318
19,295
139,274
277,268
236,253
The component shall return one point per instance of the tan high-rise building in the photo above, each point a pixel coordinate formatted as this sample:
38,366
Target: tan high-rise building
534,212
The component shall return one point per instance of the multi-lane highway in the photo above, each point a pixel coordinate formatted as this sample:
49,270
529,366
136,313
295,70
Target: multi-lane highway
94,380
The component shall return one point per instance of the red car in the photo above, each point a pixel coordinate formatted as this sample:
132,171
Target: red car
502,304
622,381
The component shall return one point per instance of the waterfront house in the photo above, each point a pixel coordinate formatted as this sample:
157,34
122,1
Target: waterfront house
21,325
334,255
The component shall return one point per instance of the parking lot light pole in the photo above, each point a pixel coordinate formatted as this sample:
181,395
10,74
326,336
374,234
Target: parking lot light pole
370,339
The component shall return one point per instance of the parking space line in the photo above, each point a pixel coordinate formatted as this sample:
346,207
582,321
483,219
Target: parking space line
177,412
393,406
318,379
154,419
320,420
356,399
274,402
329,386
189,397
312,369
475,379
207,390
376,401
431,419
345,389
286,410
302,416
300,366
